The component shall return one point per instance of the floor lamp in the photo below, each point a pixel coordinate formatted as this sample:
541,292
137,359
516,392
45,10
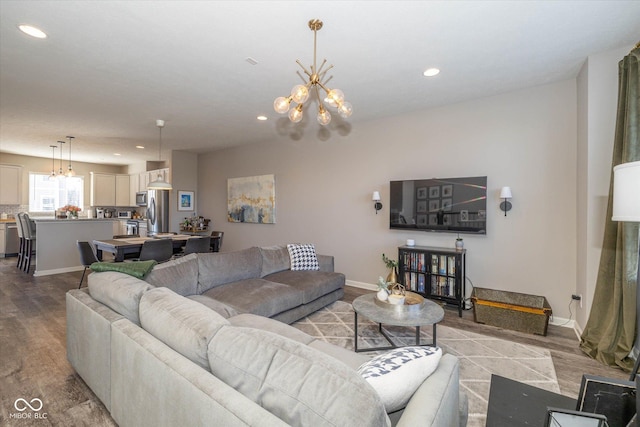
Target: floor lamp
626,207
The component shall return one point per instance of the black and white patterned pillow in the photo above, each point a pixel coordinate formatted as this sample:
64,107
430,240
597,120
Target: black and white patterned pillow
398,373
303,257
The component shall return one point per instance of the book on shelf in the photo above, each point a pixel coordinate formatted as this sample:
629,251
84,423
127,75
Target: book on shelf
421,282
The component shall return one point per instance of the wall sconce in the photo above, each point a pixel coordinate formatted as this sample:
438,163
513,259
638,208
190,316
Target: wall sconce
505,194
376,198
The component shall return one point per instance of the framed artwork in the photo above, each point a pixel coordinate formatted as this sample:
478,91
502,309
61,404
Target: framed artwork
464,216
186,200
252,199
421,193
446,205
447,190
434,192
434,205
422,220
433,219
421,206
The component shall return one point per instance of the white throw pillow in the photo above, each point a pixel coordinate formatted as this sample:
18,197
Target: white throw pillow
303,257
398,373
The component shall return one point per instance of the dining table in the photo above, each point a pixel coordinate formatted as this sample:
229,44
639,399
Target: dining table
125,246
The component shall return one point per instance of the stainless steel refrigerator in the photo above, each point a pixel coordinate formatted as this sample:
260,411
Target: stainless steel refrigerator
157,212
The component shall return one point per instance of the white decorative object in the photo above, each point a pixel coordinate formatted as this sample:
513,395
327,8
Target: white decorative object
398,373
411,242
383,295
396,299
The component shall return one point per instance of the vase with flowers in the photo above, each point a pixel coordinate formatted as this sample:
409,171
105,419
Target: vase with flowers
392,265
72,211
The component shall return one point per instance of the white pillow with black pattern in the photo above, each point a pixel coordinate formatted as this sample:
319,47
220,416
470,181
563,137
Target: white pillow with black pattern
303,257
398,373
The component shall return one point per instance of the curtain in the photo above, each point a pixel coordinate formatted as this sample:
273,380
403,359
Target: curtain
611,329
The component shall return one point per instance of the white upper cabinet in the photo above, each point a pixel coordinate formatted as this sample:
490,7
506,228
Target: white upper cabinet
123,190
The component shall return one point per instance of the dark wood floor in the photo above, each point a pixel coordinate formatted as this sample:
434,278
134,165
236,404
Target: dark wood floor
33,360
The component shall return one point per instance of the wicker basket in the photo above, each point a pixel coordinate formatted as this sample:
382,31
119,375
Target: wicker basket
511,310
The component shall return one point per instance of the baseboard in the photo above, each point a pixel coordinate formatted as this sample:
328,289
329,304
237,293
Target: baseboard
556,321
57,271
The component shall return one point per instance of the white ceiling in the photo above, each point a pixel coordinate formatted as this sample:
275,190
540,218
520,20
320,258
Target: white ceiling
109,69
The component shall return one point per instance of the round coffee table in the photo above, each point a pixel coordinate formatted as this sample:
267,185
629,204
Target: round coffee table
430,314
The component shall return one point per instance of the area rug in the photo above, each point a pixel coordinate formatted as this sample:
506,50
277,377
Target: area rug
480,356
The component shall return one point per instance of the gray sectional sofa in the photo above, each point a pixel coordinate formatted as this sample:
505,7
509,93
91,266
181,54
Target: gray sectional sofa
204,340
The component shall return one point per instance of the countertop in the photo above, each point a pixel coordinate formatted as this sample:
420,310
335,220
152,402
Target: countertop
64,220
7,221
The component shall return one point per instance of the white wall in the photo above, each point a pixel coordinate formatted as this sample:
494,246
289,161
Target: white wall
524,139
597,106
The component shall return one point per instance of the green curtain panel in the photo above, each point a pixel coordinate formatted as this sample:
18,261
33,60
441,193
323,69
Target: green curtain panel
611,329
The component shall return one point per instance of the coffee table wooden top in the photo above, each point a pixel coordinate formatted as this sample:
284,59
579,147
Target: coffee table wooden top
430,314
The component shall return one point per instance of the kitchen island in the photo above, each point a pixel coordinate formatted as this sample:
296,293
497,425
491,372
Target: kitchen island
56,242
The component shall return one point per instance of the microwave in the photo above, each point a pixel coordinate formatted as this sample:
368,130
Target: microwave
141,198
124,214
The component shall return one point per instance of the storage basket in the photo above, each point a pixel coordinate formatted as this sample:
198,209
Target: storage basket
511,310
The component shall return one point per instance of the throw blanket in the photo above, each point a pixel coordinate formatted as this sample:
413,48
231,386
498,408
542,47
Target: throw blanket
138,269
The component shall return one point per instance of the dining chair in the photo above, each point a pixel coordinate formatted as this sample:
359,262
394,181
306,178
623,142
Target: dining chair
216,240
21,241
197,245
87,257
156,249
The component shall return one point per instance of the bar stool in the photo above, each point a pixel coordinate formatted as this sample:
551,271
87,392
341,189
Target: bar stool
21,241
29,233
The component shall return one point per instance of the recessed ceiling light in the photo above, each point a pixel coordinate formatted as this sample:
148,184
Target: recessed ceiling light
252,61
32,31
140,146
262,118
117,154
430,72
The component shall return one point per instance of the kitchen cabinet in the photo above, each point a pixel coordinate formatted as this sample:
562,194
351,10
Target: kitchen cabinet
11,181
134,187
109,189
103,189
123,193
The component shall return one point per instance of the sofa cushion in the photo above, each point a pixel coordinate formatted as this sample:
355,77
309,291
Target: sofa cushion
257,296
180,275
398,373
303,257
219,307
248,320
313,284
301,386
218,268
274,259
118,291
184,325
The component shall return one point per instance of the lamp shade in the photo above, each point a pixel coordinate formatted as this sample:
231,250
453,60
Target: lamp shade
376,196
626,192
505,193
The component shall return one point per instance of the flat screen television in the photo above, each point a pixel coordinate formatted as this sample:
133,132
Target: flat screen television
453,205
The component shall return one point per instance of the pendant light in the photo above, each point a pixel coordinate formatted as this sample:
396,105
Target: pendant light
70,171
160,183
60,172
52,175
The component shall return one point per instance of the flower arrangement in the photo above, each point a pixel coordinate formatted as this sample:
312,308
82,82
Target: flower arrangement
71,210
390,263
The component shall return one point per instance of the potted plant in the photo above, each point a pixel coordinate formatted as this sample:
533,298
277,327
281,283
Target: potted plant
391,265
383,289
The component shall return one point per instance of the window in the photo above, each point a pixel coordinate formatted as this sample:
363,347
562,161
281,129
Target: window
48,195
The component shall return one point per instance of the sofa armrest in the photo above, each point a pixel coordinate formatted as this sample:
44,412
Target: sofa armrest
436,402
325,262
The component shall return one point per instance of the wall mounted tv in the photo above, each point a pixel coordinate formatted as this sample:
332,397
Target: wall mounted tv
453,205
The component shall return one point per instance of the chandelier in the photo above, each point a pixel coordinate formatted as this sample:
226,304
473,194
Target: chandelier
70,171
300,93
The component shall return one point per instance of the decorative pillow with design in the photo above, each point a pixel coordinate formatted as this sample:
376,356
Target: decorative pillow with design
303,257
398,373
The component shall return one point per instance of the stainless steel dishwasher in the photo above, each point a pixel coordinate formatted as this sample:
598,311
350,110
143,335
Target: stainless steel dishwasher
11,240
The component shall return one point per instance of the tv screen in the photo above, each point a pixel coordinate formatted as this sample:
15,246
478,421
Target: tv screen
454,205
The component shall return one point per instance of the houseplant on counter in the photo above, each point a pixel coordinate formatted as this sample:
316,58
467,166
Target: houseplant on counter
71,210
